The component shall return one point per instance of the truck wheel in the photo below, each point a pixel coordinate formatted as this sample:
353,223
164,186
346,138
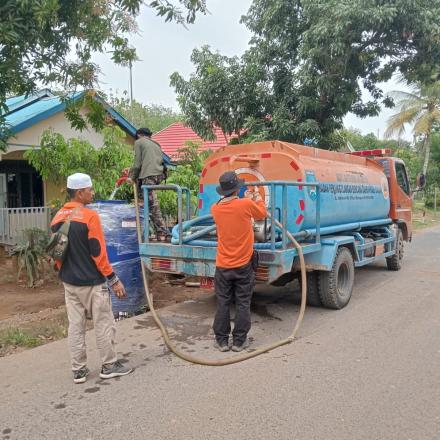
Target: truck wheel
313,298
395,261
336,286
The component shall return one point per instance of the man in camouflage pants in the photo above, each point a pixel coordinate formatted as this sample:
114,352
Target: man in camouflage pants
154,208
148,167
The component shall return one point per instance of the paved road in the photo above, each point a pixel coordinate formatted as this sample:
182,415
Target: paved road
370,371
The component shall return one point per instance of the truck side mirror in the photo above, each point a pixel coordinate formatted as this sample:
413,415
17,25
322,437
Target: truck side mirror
421,181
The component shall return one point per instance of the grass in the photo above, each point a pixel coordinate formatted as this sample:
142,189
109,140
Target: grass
32,337
51,331
16,337
424,217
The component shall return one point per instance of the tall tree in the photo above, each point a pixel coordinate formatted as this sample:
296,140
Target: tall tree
433,178
155,117
220,93
311,59
316,52
52,41
421,109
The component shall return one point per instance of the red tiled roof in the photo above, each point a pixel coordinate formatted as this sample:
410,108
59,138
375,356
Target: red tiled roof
175,135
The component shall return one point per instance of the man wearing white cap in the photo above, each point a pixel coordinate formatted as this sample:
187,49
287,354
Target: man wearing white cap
86,274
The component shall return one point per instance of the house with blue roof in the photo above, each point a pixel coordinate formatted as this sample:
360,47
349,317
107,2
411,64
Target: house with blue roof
26,119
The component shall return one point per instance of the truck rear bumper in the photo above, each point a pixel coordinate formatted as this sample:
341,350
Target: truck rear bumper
200,260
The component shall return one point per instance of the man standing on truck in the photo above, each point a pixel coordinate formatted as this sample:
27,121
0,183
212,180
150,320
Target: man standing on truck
235,260
149,168
86,272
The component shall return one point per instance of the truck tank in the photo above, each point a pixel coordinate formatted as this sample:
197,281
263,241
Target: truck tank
353,189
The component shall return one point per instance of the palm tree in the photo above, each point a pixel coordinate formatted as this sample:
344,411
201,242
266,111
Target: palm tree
421,109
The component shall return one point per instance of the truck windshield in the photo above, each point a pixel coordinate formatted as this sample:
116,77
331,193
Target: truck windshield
402,178
386,166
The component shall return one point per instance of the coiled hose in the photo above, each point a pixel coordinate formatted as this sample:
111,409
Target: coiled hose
240,357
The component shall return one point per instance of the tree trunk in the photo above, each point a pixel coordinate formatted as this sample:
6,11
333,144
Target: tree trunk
427,148
226,139
237,132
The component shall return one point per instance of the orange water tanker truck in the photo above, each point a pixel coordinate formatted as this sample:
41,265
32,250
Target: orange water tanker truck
345,210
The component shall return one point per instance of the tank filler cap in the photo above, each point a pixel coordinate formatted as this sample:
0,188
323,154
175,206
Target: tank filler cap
376,152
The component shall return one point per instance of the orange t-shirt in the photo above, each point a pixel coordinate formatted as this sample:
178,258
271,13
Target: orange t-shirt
234,230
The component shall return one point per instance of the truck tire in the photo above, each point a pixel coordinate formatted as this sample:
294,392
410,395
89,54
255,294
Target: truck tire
395,261
336,286
313,298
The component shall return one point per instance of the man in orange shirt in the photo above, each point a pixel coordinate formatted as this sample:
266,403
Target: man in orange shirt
234,274
86,274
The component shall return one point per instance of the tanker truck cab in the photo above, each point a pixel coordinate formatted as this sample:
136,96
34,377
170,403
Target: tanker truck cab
345,210
400,193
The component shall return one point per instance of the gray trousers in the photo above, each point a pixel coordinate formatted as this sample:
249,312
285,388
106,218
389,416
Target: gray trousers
82,301
235,283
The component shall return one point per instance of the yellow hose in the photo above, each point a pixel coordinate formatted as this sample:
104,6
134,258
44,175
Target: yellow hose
243,356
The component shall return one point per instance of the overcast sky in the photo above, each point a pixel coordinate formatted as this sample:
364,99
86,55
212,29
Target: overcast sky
166,47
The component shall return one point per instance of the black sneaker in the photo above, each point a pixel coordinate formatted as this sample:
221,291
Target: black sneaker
114,370
80,376
221,346
241,347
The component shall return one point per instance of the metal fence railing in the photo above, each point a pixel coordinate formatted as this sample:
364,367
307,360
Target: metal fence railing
13,221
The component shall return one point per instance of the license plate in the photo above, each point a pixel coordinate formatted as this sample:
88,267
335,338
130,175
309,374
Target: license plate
380,249
206,283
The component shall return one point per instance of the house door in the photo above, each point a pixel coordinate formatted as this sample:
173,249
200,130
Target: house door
24,186
3,191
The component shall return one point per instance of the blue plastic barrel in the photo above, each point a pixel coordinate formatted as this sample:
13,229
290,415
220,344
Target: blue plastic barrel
118,220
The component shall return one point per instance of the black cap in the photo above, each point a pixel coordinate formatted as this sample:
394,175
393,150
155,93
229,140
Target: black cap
144,132
229,183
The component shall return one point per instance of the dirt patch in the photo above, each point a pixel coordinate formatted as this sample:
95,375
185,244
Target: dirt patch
29,316
168,289
17,299
40,311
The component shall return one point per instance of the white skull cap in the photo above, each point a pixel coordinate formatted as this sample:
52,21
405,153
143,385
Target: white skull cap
79,181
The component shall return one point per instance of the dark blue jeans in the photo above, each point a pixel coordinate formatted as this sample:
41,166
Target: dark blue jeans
229,284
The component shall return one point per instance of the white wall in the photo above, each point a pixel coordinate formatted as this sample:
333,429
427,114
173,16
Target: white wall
32,136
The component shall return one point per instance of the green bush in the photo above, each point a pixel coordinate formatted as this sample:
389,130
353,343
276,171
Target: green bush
31,252
430,200
57,158
192,155
183,176
186,174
